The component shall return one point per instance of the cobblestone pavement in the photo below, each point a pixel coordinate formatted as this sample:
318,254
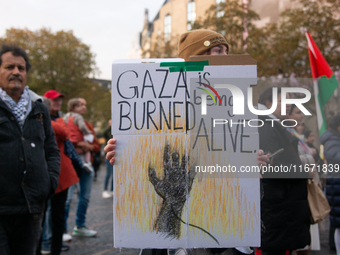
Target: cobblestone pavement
100,218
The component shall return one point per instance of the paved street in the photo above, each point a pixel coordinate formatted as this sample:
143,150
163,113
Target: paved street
99,217
324,229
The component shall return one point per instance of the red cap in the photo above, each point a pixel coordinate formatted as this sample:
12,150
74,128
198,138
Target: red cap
52,94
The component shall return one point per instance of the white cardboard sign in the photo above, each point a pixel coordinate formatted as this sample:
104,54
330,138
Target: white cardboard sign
166,192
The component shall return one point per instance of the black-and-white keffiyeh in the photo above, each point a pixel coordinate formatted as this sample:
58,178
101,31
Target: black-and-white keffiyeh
20,109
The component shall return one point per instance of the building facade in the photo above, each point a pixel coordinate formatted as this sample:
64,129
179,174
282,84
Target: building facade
159,37
170,22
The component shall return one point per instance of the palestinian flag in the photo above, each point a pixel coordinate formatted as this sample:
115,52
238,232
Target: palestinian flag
324,81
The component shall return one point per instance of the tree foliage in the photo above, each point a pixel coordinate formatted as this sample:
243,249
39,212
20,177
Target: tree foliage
282,47
279,48
230,19
62,62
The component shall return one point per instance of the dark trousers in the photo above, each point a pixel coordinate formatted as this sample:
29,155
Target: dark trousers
58,221
19,234
331,237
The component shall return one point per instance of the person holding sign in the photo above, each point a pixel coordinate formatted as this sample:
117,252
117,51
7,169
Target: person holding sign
195,42
198,42
201,42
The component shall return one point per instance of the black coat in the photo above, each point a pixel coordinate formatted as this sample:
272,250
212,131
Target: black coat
331,142
29,161
285,211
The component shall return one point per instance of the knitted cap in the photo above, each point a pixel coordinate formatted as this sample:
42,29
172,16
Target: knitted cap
196,42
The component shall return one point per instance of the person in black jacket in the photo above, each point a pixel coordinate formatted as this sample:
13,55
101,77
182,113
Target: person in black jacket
29,158
285,211
331,141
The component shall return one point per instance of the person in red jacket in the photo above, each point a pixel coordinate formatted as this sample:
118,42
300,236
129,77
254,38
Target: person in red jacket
78,130
67,177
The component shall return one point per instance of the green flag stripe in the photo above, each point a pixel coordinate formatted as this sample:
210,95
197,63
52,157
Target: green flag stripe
326,88
323,89
323,124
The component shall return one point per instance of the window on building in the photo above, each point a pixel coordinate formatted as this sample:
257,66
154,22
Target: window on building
159,33
219,13
167,27
191,14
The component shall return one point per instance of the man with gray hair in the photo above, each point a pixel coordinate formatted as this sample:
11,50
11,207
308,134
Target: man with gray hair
29,158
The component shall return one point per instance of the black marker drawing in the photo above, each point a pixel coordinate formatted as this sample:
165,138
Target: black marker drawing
173,189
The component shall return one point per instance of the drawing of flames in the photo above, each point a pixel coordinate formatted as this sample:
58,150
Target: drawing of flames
217,205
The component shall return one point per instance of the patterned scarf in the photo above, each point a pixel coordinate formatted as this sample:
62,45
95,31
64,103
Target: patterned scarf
20,109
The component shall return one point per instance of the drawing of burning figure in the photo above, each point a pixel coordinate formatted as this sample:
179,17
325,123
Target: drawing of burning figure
173,189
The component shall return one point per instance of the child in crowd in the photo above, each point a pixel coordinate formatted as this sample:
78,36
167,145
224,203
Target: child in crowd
78,131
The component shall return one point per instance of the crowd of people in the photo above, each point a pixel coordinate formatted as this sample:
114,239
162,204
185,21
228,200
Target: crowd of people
46,155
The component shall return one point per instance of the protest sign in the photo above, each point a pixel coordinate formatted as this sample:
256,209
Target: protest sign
175,184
